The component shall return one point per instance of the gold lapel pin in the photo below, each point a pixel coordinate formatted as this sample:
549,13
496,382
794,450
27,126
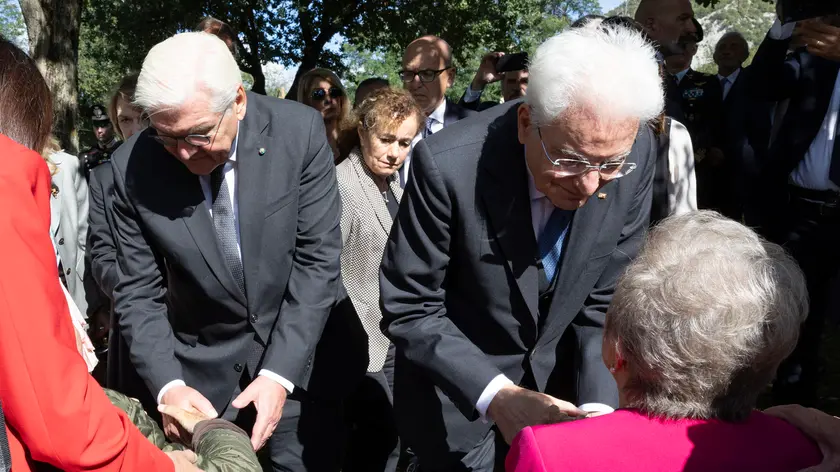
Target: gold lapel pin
602,196
262,151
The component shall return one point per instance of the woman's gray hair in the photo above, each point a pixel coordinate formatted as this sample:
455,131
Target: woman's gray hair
610,71
704,316
176,69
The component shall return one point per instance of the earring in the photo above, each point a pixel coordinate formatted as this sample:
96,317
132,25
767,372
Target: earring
612,369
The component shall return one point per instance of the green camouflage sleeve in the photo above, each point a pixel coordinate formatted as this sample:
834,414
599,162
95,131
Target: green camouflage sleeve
225,450
219,445
138,416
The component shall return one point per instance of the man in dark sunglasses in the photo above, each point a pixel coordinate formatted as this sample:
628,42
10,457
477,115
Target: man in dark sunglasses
427,73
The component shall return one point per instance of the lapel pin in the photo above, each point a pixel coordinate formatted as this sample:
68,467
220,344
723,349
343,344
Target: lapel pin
602,196
262,151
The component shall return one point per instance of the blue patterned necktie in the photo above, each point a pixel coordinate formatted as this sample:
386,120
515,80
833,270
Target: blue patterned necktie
223,221
550,245
427,131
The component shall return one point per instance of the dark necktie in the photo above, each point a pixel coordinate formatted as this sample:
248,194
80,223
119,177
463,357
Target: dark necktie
550,245
834,170
5,455
223,221
427,131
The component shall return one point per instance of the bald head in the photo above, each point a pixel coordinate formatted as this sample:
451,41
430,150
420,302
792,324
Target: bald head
431,57
666,21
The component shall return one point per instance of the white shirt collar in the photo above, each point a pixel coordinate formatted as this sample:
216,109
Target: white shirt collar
731,78
681,75
439,113
232,156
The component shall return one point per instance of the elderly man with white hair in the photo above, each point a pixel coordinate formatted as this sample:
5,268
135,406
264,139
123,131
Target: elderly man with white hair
503,258
226,215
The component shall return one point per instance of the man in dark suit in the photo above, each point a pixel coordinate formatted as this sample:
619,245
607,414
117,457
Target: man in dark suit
665,23
800,195
427,73
494,330
744,125
226,219
514,83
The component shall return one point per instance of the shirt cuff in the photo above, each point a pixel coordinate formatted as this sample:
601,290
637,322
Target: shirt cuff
174,383
471,95
781,32
279,379
596,408
499,382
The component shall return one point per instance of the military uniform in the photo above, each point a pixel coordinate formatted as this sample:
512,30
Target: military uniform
100,153
701,100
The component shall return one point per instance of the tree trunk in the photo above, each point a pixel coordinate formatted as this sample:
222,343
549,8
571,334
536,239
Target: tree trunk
53,27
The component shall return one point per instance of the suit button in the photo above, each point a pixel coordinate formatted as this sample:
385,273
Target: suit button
61,242
67,271
254,318
237,367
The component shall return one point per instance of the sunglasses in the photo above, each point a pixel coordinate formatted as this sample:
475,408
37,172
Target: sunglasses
320,94
426,76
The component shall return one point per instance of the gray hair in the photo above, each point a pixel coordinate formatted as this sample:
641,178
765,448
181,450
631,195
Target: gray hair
175,69
704,316
735,34
610,71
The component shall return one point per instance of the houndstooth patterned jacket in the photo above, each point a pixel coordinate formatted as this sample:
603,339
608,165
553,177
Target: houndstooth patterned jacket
365,225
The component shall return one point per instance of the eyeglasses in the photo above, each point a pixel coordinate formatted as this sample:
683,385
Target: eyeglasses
320,94
197,140
609,170
426,76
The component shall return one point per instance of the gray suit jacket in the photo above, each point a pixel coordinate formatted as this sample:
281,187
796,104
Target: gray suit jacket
460,291
179,308
69,223
365,224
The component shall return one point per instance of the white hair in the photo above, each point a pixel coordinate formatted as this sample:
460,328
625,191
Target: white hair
704,316
610,71
175,69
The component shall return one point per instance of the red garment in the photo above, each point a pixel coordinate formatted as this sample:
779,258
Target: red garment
629,441
55,412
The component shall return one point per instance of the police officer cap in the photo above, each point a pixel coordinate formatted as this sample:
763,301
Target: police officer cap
98,113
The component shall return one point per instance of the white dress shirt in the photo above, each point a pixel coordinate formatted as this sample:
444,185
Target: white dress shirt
229,172
471,95
541,210
682,180
729,81
680,75
437,117
812,172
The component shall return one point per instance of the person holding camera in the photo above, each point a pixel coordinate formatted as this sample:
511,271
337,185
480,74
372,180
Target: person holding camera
798,202
511,70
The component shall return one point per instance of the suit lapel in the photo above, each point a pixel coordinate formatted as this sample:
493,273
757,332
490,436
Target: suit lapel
371,192
504,192
200,225
254,158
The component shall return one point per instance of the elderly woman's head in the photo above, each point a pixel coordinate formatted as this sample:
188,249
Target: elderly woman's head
24,98
322,90
386,122
702,319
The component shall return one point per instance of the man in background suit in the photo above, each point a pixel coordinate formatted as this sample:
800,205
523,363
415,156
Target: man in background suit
489,321
665,23
800,194
226,219
514,83
427,73
744,124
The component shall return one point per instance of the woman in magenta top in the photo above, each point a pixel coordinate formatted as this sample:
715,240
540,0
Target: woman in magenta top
696,329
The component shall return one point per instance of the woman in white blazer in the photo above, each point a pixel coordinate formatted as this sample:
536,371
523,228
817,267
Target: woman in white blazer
385,124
